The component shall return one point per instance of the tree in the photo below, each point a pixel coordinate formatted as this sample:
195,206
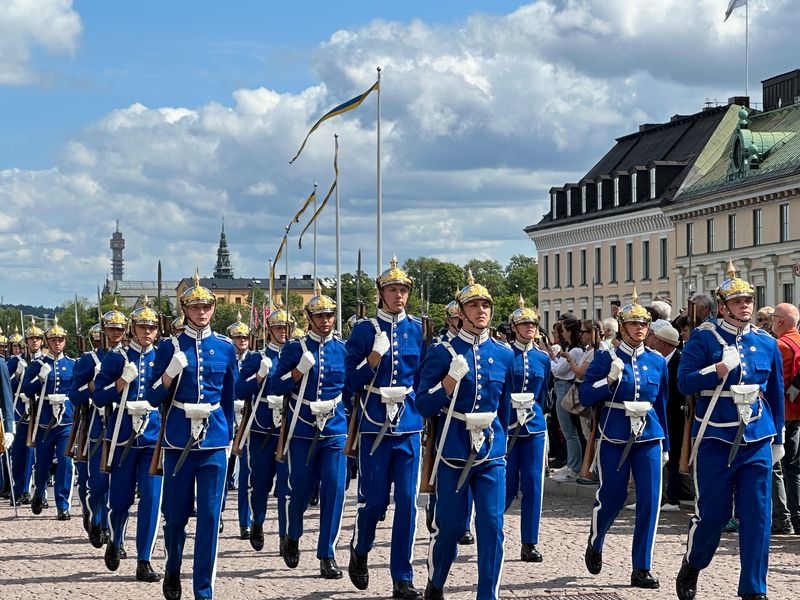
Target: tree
439,280
368,295
490,274
522,277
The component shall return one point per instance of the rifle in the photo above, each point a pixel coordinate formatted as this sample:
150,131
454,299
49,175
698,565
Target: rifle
284,432
352,428
106,445
79,420
591,446
428,453
361,307
688,409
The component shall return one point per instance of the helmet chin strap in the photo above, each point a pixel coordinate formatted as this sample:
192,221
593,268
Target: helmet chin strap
471,322
734,317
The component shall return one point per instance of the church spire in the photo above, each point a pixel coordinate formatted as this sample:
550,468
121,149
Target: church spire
223,269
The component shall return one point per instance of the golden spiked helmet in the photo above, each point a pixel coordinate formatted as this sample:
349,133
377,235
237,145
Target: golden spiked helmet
451,309
734,287
523,314
178,323
15,338
55,330
3,338
197,294
144,315
394,275
33,331
280,318
320,303
114,318
238,328
473,291
633,312
95,332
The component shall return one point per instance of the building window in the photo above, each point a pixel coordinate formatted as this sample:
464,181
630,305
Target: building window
760,296
616,191
545,272
554,205
709,235
784,223
557,269
598,314
732,232
689,238
547,320
633,188
583,198
583,267
629,261
645,259
599,191
663,260
237,300
756,227
652,182
569,268
583,313
568,195
788,293
598,256
612,266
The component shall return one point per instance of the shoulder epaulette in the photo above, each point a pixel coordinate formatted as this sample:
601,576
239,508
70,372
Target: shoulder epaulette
225,338
707,326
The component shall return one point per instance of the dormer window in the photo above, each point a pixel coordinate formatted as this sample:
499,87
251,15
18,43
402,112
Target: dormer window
652,183
583,198
599,186
616,191
569,202
633,188
553,203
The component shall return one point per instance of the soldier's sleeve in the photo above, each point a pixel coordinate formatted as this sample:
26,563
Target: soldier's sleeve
431,397
774,394
31,385
693,373
84,371
595,387
105,385
423,352
247,384
6,397
661,404
281,381
504,402
156,392
229,388
358,372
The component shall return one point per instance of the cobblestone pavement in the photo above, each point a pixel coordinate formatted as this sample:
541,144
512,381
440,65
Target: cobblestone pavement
41,558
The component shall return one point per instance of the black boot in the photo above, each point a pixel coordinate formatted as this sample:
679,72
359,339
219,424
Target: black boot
291,552
467,539
221,526
329,569
257,537
172,586
244,533
405,590
594,560
87,524
26,498
111,557
530,553
358,569
281,542
37,505
96,536
432,592
754,597
63,514
429,520
122,554
642,578
686,581
144,572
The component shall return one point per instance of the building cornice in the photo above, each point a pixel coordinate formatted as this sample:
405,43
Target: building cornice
724,202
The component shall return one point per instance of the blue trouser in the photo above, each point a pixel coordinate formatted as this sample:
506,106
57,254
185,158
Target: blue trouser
525,471
21,462
328,468
470,503
748,481
97,493
264,469
47,448
488,484
644,461
396,460
242,507
205,469
82,470
121,494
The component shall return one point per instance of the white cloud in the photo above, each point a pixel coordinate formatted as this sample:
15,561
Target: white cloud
480,118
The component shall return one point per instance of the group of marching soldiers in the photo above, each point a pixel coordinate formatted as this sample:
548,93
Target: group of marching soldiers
459,417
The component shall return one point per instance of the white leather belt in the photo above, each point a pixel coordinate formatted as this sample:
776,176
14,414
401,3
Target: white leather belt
182,405
376,390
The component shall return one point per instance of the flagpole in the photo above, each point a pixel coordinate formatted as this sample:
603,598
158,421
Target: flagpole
270,286
380,205
338,244
286,262
747,48
315,235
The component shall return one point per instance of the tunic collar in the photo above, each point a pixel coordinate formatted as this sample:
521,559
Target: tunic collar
275,346
629,350
195,334
472,339
391,317
318,338
725,326
524,347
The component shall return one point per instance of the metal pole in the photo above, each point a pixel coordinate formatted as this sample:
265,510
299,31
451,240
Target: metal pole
270,286
315,236
286,282
747,48
380,202
338,246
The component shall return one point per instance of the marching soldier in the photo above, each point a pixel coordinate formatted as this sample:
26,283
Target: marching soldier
632,383
49,379
467,381
312,370
21,456
131,434
382,365
199,366
265,424
737,371
527,427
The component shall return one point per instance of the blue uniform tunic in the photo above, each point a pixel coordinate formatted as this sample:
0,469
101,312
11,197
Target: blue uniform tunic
325,381
209,378
134,471
525,467
748,479
242,505
396,459
485,388
54,444
21,455
644,379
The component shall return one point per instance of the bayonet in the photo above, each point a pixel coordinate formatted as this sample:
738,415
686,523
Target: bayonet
360,311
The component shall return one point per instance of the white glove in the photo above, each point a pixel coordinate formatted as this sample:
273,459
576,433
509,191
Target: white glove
44,372
617,367
664,459
381,343
8,439
306,362
730,357
264,367
458,368
792,393
176,365
777,452
129,372
228,449
21,366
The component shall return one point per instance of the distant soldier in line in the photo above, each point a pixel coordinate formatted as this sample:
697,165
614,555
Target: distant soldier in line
200,367
21,456
527,427
254,379
737,370
311,368
382,366
131,433
49,380
467,381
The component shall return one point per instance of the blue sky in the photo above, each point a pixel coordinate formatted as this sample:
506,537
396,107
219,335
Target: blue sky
169,115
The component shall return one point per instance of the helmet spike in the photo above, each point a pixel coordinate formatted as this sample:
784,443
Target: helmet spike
731,273
470,278
634,296
521,302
